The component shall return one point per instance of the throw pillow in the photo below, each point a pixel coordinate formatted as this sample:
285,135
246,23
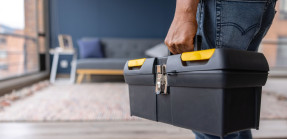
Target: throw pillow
90,48
159,50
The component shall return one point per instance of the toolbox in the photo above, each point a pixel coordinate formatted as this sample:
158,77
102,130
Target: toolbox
214,91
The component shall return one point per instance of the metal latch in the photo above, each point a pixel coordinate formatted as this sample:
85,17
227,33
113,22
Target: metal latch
161,80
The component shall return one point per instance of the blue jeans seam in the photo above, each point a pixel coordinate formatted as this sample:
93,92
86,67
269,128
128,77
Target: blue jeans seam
203,23
260,31
201,16
218,24
268,2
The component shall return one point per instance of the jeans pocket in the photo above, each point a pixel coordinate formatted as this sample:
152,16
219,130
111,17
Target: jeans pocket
239,21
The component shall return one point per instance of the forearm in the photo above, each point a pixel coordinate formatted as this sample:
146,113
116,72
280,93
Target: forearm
186,10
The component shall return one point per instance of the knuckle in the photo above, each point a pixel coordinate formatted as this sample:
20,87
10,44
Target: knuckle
177,43
167,43
184,40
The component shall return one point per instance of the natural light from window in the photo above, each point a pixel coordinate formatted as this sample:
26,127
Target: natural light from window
12,13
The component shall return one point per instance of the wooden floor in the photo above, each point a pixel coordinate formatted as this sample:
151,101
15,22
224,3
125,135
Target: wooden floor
93,130
116,130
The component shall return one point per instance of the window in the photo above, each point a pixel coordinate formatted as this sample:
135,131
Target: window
19,37
2,41
3,54
3,66
282,52
283,9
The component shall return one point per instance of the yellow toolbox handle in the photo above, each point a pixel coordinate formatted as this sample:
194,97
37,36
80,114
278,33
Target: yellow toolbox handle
197,55
136,62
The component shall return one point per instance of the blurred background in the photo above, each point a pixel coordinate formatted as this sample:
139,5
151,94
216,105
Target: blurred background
61,67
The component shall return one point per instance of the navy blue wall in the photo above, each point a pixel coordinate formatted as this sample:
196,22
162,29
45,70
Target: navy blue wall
110,18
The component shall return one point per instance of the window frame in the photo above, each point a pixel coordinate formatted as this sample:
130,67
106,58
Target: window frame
16,82
276,71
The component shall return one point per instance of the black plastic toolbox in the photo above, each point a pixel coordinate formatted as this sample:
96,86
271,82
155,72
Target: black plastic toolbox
215,91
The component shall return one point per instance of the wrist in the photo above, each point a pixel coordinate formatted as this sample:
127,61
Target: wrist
187,17
186,9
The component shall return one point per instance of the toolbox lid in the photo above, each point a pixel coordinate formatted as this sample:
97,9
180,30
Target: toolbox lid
144,66
217,59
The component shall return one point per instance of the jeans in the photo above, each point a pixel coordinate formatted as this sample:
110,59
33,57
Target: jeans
238,135
238,24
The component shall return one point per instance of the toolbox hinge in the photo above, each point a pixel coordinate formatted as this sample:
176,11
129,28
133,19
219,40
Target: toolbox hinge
161,80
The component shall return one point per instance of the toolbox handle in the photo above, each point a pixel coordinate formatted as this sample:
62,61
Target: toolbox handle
197,43
198,54
139,66
136,62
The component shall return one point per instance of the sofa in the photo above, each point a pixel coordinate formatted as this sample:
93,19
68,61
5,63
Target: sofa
116,52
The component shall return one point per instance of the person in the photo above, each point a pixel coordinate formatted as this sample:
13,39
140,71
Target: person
238,24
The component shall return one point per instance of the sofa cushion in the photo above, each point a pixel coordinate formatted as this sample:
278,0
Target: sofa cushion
127,48
90,48
101,63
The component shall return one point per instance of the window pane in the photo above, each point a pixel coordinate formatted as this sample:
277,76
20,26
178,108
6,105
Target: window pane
282,53
41,27
30,18
284,5
12,16
283,9
274,45
18,38
18,56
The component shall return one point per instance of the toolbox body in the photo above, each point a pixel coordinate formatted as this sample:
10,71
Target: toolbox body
216,91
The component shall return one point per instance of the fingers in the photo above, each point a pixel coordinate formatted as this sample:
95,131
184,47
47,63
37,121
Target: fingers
170,46
173,49
184,48
178,47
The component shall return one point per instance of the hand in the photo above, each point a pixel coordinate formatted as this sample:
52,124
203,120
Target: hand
180,36
183,28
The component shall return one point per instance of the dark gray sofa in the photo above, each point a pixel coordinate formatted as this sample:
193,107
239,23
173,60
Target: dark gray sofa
116,51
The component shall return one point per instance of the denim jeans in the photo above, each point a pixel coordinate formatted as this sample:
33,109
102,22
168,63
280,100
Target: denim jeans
238,135
238,24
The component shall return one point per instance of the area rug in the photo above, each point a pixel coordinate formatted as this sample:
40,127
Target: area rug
98,101
84,102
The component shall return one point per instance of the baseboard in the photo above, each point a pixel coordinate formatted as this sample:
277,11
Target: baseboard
7,86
